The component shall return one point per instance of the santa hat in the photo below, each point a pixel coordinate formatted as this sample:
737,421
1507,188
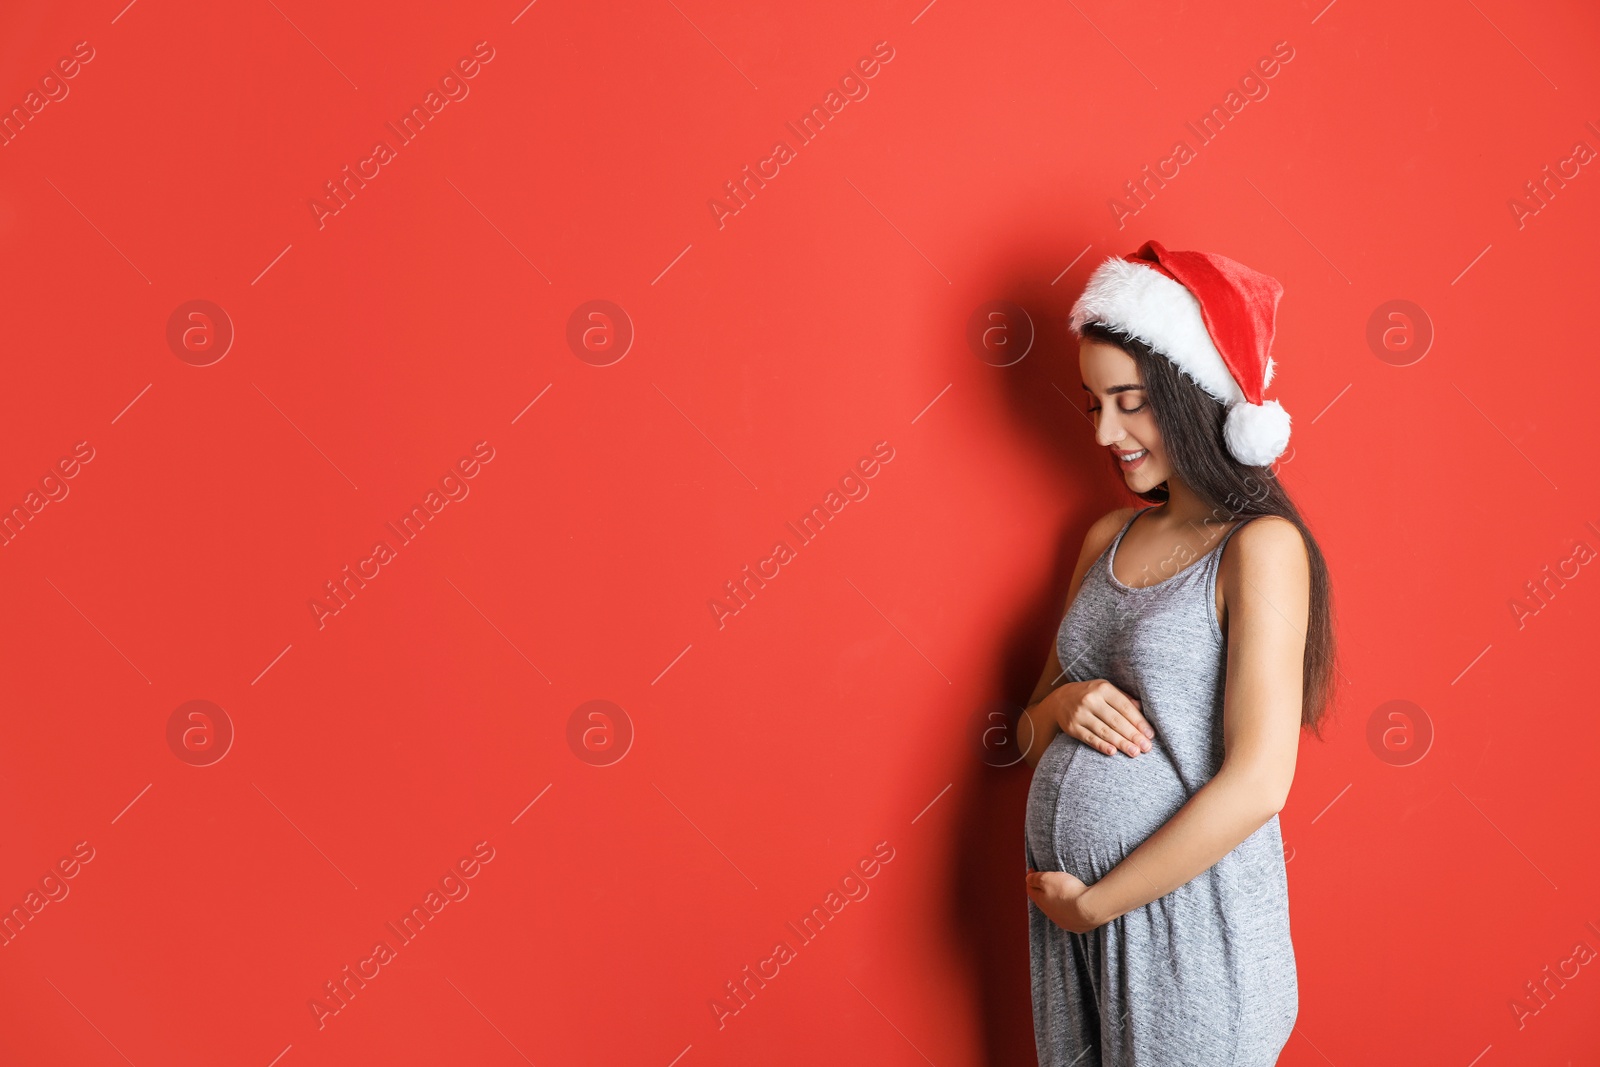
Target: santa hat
1213,318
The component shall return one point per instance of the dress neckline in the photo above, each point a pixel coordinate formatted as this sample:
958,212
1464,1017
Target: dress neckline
1111,557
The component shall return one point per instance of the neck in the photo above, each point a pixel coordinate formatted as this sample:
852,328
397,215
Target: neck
1183,506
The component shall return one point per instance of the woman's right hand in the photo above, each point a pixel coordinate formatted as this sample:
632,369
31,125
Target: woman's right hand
1102,717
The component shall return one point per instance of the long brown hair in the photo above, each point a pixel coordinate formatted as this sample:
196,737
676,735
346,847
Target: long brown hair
1191,424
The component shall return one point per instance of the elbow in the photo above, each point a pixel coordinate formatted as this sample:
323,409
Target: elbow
1273,792
1266,791
1275,799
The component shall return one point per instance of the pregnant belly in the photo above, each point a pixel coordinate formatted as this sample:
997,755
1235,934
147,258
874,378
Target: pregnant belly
1087,810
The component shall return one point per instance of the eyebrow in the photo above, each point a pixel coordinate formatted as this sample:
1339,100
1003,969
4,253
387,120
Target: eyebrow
1116,389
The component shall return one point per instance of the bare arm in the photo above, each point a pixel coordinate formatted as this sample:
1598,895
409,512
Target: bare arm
1038,725
1267,593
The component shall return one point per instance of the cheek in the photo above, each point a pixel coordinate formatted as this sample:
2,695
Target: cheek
1147,431
1150,437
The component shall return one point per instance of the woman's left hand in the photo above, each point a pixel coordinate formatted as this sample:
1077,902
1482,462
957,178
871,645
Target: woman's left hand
1060,896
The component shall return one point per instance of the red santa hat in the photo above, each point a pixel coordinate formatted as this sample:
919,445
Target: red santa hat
1211,316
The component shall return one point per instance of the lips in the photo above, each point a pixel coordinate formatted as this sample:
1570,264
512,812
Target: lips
1132,460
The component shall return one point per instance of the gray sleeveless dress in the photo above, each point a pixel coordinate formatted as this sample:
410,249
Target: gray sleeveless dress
1204,976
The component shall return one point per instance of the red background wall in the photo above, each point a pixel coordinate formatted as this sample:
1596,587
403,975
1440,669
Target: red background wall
1439,861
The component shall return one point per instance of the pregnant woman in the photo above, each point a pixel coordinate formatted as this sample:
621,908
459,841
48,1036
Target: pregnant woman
1163,732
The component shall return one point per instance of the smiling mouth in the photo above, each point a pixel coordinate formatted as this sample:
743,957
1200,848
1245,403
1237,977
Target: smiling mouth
1132,459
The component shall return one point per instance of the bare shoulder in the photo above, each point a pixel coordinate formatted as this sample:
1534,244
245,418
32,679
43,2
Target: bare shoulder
1269,553
1103,532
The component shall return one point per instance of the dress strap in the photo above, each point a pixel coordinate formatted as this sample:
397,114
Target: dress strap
1117,540
1216,555
1111,546
1214,568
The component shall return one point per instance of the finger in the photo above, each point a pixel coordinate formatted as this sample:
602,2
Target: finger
1131,710
1106,703
1129,738
1084,726
1090,738
1141,722
1104,738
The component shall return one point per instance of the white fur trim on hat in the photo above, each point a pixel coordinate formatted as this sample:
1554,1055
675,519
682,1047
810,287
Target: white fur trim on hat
1146,304
1256,434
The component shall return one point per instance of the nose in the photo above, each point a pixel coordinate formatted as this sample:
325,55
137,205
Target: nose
1107,429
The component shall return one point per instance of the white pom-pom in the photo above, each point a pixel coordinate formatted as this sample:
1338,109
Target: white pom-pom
1256,434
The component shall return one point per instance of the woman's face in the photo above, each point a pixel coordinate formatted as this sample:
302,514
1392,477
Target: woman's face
1123,420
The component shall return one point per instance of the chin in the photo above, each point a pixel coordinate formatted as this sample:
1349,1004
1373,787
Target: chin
1142,481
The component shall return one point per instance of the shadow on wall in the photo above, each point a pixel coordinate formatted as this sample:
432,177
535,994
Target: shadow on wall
1043,393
